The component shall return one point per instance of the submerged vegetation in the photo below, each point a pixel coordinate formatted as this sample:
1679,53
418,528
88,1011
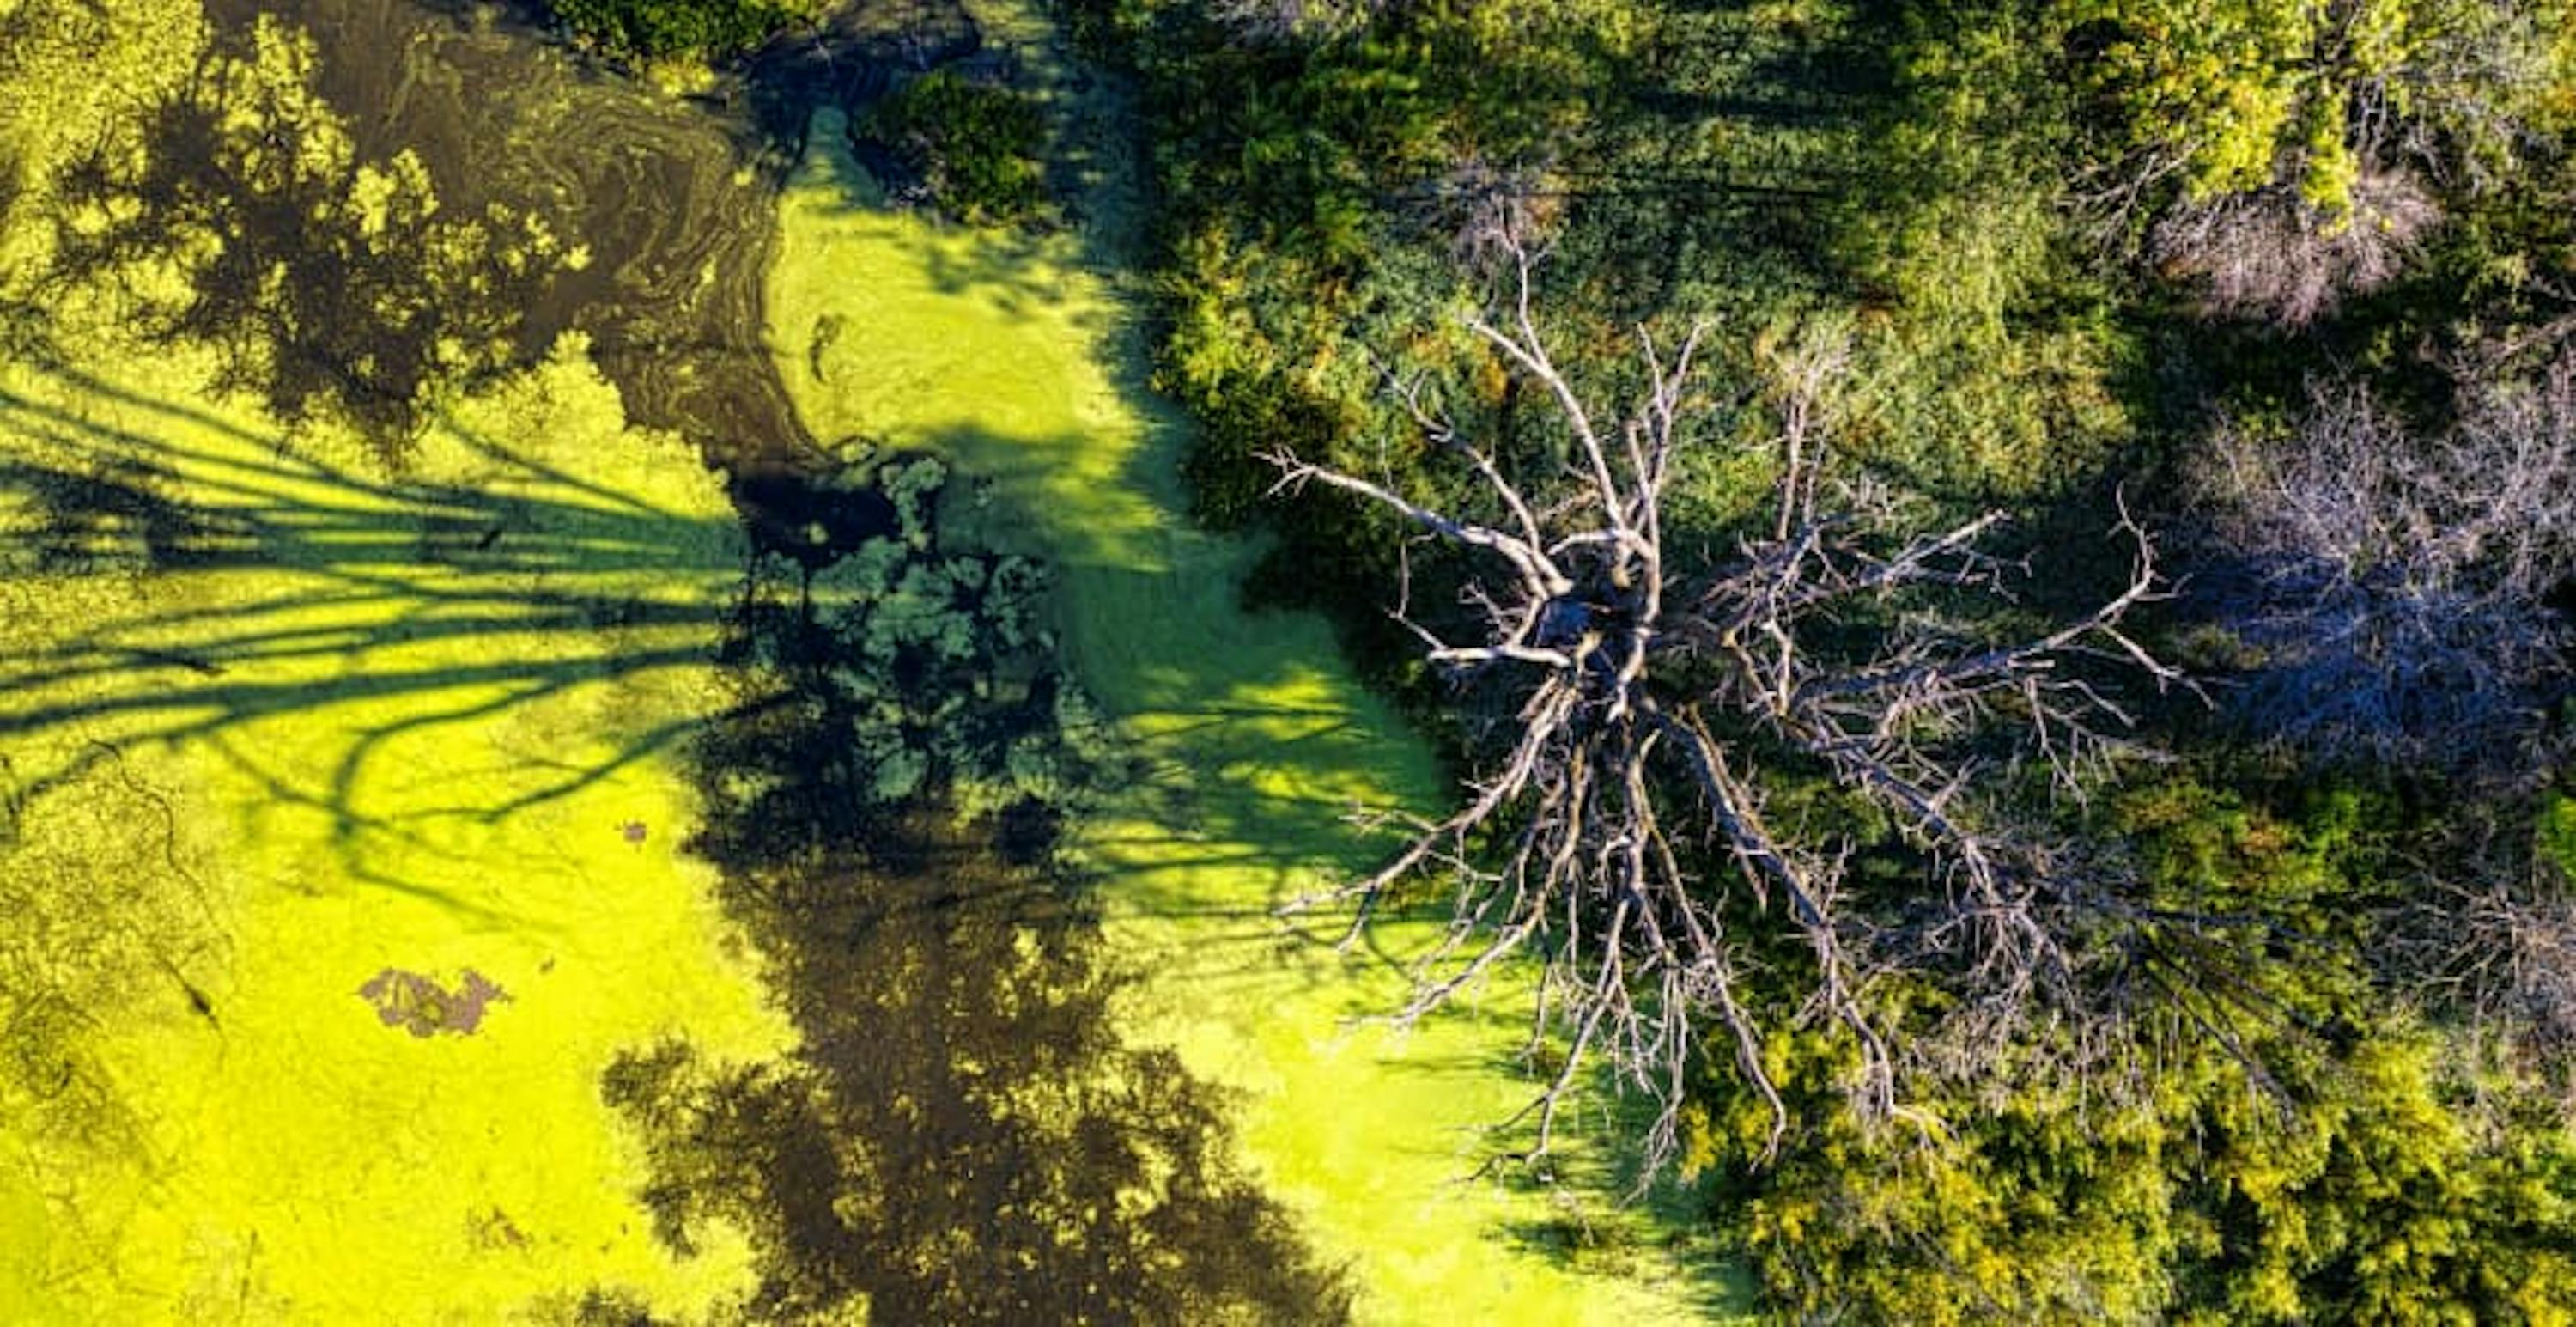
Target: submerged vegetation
1242,749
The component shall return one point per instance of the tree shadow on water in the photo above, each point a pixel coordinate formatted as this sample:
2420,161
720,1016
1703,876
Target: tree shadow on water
963,1134
962,1137
183,582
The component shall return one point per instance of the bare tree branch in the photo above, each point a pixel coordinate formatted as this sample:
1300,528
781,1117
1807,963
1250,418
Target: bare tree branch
1638,718
2394,587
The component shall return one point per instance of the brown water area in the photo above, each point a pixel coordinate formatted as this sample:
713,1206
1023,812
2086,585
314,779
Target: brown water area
669,196
963,1137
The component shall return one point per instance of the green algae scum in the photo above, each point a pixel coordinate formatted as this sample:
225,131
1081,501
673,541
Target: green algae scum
501,825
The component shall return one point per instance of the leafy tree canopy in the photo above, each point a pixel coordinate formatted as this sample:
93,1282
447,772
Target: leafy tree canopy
658,29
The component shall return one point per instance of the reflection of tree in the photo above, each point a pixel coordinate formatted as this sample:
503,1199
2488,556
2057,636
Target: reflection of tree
962,1137
326,282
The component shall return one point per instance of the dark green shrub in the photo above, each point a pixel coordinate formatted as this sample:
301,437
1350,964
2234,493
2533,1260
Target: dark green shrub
976,146
659,28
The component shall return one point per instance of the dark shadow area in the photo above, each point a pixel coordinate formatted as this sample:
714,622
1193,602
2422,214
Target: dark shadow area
328,282
1738,149
850,58
962,1136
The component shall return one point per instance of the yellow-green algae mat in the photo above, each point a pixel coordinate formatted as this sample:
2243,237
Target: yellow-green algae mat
343,822
1005,353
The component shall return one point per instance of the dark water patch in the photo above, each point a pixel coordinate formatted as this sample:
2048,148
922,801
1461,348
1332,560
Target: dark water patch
663,202
328,280
660,204
962,1136
809,522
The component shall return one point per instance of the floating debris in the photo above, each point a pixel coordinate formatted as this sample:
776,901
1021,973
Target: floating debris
418,1004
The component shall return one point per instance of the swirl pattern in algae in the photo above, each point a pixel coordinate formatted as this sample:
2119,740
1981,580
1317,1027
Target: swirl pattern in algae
667,198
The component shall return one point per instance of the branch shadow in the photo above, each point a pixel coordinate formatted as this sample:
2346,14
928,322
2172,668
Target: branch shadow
290,589
964,1134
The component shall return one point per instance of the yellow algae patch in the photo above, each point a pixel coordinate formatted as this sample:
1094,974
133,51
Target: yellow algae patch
72,68
1006,354
289,744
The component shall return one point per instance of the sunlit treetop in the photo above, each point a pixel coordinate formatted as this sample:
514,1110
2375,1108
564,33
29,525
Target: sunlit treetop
2238,95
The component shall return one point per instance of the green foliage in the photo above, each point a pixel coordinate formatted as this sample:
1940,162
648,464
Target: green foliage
2250,93
1991,358
661,29
977,146
2300,1150
2231,81
2215,849
1314,186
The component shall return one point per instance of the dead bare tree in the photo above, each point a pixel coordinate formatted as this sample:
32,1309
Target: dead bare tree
2483,936
2509,959
2456,107
2395,586
1483,208
1629,709
2269,255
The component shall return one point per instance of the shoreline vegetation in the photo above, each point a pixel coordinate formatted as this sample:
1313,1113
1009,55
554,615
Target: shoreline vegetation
672,661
